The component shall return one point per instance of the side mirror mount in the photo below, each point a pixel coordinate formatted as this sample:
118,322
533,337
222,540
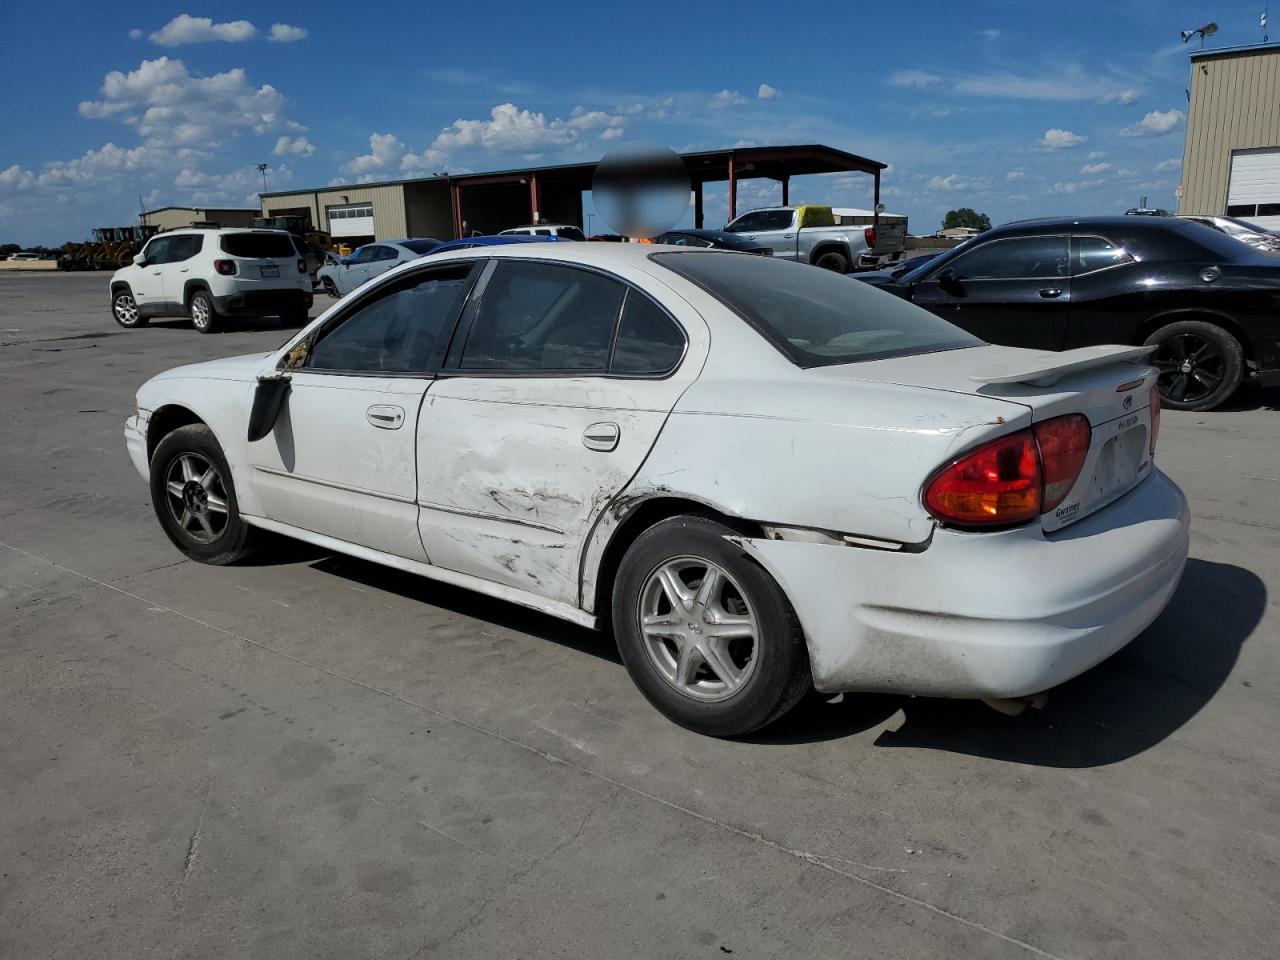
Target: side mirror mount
268,401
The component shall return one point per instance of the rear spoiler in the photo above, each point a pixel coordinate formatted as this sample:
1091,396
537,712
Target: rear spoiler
1043,369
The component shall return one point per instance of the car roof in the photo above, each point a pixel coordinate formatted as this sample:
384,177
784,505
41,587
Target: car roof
1112,222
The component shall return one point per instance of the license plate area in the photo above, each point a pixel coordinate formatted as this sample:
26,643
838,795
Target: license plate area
270,271
1118,461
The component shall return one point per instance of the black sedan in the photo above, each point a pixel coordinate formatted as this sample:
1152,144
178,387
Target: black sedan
1209,303
712,238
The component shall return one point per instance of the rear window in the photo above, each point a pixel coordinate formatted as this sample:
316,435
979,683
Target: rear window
425,245
816,317
259,246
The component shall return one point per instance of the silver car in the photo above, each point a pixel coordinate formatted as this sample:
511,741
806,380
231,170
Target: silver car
1255,236
369,261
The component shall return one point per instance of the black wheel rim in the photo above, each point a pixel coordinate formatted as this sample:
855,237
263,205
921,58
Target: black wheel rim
1191,367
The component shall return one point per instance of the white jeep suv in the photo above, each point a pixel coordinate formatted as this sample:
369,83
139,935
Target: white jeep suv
561,230
208,274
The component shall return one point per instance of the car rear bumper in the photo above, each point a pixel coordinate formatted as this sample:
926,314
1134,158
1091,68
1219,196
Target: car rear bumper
263,303
979,615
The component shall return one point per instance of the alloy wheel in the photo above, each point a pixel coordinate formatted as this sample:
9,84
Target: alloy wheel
200,313
197,497
1191,367
698,628
126,310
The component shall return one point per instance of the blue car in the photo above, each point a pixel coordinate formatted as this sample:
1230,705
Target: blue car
492,241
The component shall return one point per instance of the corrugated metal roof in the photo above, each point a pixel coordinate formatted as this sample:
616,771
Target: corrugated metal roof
1232,51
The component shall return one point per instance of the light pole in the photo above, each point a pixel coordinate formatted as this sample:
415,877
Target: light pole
262,168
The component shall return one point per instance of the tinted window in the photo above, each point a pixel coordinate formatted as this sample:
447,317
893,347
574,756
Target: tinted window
425,245
540,316
571,233
816,316
259,246
184,247
762,220
384,253
158,250
1094,253
1022,258
400,330
363,255
649,342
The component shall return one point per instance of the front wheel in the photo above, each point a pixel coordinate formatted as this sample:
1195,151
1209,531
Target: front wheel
1200,364
204,316
125,309
706,634
330,287
195,498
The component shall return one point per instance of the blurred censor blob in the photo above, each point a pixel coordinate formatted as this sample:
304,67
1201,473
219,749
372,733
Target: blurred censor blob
641,189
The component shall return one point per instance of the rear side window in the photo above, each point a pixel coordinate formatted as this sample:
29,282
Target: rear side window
815,317
184,247
543,317
259,246
1095,253
649,343
759,220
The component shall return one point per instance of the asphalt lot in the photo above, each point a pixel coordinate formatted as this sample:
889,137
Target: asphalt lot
317,757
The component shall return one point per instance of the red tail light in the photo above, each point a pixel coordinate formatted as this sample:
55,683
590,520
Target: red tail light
1155,417
302,266
225,267
870,234
1013,479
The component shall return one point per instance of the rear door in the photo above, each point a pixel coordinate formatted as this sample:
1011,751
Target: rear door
557,384
1108,303
1014,291
774,229
265,259
183,248
341,458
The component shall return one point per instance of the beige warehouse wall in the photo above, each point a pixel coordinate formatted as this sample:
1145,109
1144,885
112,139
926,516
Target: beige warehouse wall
1235,105
389,217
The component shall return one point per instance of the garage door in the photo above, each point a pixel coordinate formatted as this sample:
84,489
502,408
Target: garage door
351,220
1254,191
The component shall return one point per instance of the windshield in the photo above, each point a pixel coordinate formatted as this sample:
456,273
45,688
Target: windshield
816,317
425,245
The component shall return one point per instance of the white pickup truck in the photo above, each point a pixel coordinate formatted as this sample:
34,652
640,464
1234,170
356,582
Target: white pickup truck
810,234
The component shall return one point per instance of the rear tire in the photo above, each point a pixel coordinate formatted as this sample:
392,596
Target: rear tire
297,318
1201,365
204,316
125,309
722,656
832,260
195,499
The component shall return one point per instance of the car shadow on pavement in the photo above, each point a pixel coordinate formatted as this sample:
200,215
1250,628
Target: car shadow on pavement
468,603
227,325
1120,708
1250,396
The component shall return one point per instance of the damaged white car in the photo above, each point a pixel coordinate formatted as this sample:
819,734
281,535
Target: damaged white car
764,477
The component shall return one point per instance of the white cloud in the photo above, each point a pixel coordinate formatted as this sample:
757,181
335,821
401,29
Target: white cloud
1068,84
184,29
767,92
991,33
237,186
913,78
515,130
1056,138
1016,175
1074,186
612,133
1089,169
955,181
1154,124
428,159
1173,163
1125,96
166,104
385,151
726,98
135,34
1096,155
285,33
300,146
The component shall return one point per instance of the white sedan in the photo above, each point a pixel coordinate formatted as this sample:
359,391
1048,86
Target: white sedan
373,259
764,477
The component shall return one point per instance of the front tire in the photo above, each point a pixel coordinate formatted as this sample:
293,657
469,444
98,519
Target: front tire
832,260
204,315
705,633
195,498
330,287
1201,364
125,309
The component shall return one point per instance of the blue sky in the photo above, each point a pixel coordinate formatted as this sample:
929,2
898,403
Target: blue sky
1014,108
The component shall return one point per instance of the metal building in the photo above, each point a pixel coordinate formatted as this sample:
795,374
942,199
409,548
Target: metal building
171,218
1231,163
447,207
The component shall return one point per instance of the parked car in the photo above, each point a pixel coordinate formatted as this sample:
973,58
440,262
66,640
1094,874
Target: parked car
492,240
210,274
899,269
766,477
25,256
808,234
561,231
1255,236
1204,301
717,239
369,261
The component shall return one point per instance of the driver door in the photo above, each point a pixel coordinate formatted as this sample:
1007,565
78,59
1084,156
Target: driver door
1015,292
147,281
340,459
354,270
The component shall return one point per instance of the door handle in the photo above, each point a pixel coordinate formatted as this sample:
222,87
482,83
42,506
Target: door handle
1050,293
788,236
384,416
601,436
